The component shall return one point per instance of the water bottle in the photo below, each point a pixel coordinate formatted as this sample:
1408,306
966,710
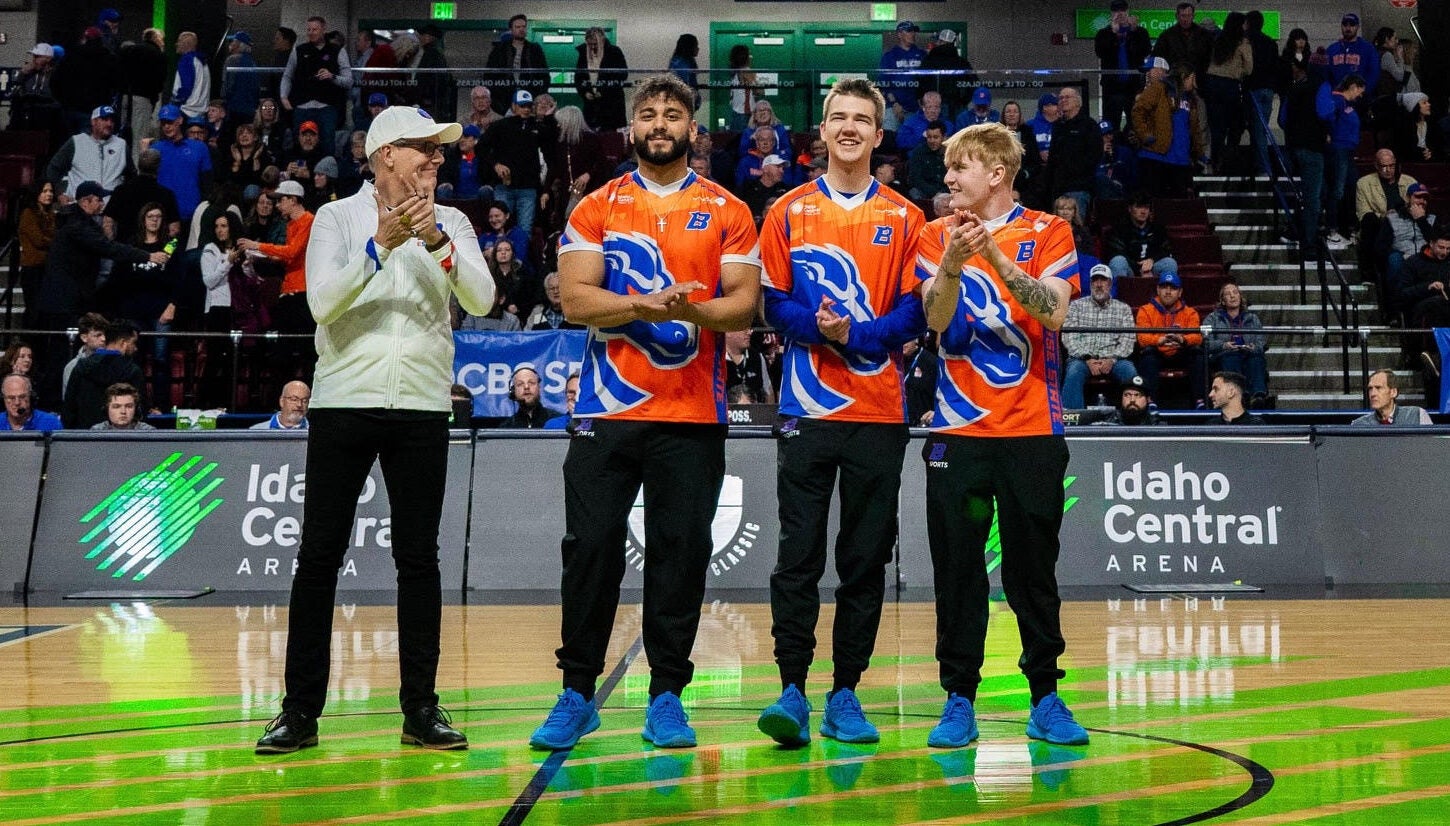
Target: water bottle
170,248
1102,400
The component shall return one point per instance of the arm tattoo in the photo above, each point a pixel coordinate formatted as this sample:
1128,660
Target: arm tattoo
1034,296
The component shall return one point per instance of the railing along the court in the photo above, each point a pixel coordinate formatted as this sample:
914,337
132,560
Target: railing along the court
1359,337
795,94
250,356
251,361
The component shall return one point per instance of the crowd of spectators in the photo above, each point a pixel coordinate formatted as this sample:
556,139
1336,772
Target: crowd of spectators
185,205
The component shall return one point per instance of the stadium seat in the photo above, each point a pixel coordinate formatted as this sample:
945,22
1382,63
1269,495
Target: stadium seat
1135,291
1197,249
1176,213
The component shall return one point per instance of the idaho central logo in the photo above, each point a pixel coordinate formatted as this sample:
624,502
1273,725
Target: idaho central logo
151,516
732,537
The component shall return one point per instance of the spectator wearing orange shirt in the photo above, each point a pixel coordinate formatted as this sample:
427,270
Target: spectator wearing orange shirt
291,315
1178,350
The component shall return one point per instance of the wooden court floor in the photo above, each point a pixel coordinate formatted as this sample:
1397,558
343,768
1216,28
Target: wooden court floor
1241,709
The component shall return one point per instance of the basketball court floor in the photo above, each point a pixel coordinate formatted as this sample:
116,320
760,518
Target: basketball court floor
1322,709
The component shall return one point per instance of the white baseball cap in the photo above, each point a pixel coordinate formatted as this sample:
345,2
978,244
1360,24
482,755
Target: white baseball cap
42,50
400,123
774,160
290,188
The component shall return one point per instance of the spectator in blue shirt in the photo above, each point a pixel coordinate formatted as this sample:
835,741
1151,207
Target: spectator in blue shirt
1047,115
896,80
1352,54
241,89
980,111
185,162
571,392
20,413
459,176
499,226
1335,108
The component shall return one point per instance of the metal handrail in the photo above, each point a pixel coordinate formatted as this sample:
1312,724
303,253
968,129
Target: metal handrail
1346,310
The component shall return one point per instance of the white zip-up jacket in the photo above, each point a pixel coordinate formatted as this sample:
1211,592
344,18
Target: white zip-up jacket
383,337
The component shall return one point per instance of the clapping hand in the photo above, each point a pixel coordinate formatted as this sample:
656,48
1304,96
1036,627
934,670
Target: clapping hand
833,327
670,304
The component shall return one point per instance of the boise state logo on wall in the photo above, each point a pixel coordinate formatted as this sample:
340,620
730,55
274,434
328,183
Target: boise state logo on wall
732,535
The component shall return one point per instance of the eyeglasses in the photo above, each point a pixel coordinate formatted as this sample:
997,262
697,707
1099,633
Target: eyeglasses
429,148
297,399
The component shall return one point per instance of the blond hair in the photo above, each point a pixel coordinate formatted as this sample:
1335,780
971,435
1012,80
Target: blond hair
992,144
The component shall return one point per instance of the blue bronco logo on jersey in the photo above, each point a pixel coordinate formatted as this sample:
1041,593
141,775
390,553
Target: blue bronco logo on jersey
997,349
832,273
634,265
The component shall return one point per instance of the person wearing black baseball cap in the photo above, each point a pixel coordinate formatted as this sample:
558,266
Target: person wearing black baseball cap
68,288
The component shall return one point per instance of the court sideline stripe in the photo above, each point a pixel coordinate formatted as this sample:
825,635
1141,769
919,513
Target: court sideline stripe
545,775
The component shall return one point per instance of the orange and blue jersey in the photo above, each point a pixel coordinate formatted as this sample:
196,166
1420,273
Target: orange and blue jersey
860,252
651,238
1000,366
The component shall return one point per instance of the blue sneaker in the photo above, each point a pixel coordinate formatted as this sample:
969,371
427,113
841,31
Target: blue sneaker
1051,721
572,718
788,720
845,721
958,725
666,724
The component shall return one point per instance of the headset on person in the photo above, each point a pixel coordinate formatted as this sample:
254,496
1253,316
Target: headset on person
513,397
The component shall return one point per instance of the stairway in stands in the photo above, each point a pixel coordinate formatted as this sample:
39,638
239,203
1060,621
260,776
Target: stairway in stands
1305,371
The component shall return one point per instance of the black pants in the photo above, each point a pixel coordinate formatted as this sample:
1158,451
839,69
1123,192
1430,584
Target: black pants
680,467
296,358
218,389
53,353
1152,360
963,478
868,457
412,447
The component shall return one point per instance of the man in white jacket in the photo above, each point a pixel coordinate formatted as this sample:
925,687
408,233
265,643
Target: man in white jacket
381,266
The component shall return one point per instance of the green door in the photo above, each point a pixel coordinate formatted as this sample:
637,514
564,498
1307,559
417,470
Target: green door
834,53
773,58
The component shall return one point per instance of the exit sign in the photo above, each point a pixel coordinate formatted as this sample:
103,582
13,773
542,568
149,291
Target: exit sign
445,11
883,12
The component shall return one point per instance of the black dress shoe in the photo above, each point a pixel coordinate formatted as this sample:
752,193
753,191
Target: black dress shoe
288,732
431,727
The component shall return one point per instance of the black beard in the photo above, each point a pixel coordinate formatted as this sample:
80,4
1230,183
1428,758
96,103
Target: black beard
679,147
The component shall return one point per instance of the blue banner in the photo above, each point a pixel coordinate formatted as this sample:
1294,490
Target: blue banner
485,362
1442,338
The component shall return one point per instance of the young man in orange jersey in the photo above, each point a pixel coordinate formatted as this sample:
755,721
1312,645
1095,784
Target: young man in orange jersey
660,264
839,256
998,281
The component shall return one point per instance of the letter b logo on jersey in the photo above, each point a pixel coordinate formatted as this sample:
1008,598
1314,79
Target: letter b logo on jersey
1025,250
699,220
883,237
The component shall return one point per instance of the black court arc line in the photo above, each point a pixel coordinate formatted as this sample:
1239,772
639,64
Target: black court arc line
1261,779
526,800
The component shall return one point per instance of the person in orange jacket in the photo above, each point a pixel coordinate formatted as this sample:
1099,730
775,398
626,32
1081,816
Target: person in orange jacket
1177,350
